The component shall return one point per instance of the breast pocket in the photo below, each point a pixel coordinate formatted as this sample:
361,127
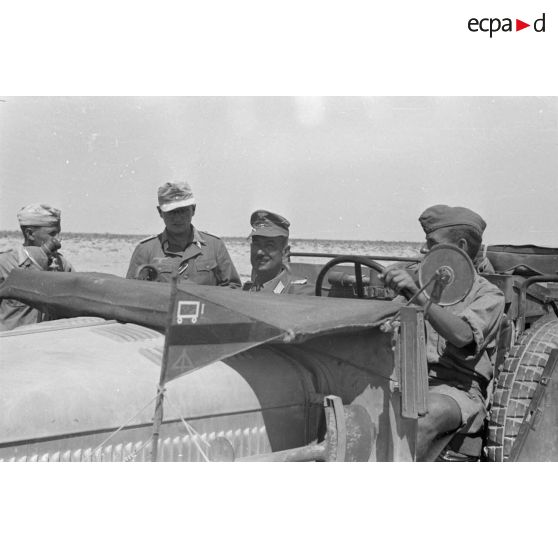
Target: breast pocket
204,271
165,268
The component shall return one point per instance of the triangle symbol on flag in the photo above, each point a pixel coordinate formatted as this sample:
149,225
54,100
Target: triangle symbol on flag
519,25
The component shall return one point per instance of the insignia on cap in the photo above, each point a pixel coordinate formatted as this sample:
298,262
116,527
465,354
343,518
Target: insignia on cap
173,195
266,223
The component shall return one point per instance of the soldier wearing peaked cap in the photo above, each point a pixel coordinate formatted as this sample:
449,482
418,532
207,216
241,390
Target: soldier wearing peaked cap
269,252
460,339
40,226
197,256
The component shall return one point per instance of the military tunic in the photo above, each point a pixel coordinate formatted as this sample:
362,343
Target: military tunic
482,309
14,313
284,283
464,373
205,260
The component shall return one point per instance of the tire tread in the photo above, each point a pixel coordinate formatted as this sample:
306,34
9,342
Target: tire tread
516,386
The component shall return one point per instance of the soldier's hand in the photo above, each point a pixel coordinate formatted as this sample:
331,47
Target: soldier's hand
399,280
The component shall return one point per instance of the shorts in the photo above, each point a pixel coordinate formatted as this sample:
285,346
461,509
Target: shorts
471,404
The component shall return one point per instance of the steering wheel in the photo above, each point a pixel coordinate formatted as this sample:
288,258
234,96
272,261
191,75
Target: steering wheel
358,262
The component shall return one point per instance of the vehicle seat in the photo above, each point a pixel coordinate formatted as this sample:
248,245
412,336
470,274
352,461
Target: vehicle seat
524,260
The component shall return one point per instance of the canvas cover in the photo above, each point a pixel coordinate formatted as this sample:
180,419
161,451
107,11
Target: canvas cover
534,260
68,295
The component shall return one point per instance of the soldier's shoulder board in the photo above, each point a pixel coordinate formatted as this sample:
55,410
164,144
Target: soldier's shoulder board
209,234
152,237
299,281
9,253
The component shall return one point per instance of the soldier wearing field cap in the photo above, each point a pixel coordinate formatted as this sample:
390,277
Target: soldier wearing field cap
269,253
460,338
197,256
40,226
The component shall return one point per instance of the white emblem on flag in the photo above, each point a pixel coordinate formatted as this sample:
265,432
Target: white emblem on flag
183,363
189,310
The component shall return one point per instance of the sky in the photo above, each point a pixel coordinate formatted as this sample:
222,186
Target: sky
346,168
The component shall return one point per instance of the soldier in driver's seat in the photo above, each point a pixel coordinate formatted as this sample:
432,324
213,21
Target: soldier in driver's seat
460,338
269,256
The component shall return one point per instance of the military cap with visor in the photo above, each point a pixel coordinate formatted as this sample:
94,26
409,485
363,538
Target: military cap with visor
173,195
266,223
441,216
38,215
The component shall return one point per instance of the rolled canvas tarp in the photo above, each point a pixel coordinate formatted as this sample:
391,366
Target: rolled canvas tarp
68,295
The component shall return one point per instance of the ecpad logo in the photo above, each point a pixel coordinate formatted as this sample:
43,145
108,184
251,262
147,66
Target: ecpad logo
494,24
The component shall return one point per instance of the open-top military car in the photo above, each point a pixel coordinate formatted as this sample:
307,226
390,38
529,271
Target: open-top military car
265,377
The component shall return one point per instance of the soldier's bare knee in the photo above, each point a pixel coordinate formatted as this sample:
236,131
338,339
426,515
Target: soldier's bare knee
443,415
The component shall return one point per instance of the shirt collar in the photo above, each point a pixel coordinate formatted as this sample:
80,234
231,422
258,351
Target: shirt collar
22,254
197,239
272,283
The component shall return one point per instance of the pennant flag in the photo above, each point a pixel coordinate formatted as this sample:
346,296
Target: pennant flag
202,331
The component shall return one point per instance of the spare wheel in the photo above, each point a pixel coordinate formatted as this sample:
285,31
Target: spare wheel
518,386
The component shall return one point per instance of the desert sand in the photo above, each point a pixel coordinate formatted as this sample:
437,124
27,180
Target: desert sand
111,253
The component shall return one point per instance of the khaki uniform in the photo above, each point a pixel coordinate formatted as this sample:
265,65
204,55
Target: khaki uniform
464,373
12,312
205,260
284,283
482,309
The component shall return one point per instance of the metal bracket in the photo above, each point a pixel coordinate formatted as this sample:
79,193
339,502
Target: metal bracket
350,437
522,301
336,438
410,363
535,412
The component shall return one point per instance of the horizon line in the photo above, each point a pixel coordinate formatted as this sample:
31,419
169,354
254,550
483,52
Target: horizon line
124,235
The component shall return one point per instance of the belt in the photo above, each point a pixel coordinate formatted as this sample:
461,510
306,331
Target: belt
449,374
